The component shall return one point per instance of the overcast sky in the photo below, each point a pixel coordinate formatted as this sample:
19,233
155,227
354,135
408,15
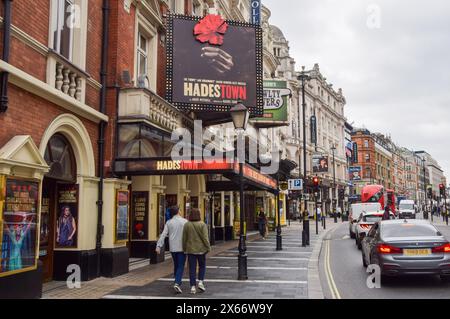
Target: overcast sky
394,68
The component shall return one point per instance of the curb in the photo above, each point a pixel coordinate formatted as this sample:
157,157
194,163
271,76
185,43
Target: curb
314,284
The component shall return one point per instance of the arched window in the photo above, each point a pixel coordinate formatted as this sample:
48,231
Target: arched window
59,156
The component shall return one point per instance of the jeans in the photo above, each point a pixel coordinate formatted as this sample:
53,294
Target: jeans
193,259
179,260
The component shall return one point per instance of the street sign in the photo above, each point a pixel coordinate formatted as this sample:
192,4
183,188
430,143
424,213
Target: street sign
295,184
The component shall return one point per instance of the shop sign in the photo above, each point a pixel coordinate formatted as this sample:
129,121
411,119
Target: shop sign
213,64
276,103
254,175
255,6
18,225
122,210
67,217
140,202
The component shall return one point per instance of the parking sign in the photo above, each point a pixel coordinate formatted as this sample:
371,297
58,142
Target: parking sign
295,184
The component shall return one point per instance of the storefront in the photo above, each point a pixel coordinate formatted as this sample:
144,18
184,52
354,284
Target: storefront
212,186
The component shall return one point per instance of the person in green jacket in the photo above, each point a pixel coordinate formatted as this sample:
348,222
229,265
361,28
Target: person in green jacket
196,246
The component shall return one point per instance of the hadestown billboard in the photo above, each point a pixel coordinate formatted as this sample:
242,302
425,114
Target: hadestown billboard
213,64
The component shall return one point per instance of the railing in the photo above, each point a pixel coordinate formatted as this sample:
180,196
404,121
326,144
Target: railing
141,103
66,77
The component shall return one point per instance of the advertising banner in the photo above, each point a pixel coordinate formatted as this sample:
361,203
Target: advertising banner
320,164
213,64
67,217
18,219
122,208
139,215
355,173
276,96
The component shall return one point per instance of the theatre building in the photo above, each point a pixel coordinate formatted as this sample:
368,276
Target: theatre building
86,120
49,131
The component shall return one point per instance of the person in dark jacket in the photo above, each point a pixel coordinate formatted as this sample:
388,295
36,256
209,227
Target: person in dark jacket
262,223
387,213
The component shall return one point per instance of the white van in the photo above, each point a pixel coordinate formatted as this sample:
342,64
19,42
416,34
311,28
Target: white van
406,209
355,212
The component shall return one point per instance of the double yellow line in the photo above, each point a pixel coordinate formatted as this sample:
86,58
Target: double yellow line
331,283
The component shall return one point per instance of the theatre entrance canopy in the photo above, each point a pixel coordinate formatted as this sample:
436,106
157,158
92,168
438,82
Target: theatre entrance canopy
253,178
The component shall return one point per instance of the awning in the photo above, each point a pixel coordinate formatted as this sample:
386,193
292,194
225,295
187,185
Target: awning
166,166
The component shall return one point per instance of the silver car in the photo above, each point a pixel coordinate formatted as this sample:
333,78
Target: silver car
365,223
407,247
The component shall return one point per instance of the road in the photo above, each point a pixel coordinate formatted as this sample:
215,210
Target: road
344,277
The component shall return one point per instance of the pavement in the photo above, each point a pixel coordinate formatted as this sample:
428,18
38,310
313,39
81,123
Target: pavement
344,277
292,273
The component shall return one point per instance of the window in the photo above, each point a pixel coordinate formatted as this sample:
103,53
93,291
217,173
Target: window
366,143
62,29
59,156
367,157
367,173
142,60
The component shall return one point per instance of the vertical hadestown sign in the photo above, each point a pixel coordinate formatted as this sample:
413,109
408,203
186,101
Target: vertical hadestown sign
213,64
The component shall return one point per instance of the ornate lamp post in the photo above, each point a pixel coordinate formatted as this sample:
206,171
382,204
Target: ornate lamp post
240,115
303,78
333,198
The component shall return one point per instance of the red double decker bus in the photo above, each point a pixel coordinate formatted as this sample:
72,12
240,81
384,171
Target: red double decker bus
377,194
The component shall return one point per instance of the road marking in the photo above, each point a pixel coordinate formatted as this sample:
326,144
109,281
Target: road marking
328,272
273,252
263,258
346,237
258,268
284,282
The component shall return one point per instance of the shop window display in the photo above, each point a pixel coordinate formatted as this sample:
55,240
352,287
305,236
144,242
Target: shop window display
19,219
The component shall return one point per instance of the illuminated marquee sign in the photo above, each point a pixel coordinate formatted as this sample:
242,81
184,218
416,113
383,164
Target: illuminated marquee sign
171,167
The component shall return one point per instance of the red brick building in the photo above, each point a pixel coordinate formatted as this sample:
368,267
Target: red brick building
49,141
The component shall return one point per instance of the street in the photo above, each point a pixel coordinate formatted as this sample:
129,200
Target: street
341,258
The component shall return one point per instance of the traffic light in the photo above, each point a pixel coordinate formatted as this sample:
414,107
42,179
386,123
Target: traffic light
341,194
316,183
442,190
430,192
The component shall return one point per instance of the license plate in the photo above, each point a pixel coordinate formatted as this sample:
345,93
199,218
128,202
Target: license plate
416,252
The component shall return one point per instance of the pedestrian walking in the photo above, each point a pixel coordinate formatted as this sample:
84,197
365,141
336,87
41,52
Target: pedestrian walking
174,230
262,224
387,213
196,246
319,213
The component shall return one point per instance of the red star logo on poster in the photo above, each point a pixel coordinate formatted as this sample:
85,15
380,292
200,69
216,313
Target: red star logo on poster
212,29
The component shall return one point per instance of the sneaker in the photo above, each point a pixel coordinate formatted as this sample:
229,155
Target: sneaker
201,286
193,290
177,289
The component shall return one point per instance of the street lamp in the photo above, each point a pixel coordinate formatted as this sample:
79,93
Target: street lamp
425,213
333,193
303,77
240,115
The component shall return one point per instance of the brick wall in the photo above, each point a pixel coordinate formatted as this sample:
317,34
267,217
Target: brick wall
34,115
